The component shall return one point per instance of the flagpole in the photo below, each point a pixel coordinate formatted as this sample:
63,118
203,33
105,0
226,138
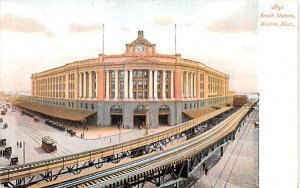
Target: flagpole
175,39
102,38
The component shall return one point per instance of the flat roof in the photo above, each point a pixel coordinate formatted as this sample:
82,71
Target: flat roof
55,111
196,113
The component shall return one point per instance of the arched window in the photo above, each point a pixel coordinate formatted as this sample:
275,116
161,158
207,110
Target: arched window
164,108
116,109
140,109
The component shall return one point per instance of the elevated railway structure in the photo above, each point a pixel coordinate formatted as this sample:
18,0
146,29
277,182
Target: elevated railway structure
50,170
167,167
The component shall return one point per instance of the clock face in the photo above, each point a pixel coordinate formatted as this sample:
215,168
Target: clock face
140,48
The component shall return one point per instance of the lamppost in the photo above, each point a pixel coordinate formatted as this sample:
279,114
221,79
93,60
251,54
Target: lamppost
147,120
119,133
83,122
23,152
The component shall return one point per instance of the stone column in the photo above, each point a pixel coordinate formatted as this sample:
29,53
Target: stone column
164,84
130,84
195,88
84,86
125,84
116,84
76,86
186,84
198,85
90,84
67,86
80,85
150,85
171,88
107,85
155,84
191,85
96,85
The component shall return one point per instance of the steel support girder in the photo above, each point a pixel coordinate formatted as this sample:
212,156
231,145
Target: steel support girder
76,169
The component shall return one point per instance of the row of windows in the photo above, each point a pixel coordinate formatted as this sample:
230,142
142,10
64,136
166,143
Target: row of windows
193,105
140,83
216,86
70,104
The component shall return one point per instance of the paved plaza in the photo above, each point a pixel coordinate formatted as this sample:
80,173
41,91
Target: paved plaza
22,128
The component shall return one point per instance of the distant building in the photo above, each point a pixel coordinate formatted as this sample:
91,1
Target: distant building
117,88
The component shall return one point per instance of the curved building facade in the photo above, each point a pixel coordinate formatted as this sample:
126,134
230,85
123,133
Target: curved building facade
119,87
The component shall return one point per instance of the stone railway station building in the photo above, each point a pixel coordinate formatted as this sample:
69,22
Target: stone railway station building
114,89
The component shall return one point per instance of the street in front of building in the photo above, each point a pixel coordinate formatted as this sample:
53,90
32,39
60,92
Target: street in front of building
24,136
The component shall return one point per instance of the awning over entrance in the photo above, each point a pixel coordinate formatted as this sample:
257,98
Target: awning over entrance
196,113
55,111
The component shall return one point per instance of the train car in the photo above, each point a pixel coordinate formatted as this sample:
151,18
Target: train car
48,144
240,100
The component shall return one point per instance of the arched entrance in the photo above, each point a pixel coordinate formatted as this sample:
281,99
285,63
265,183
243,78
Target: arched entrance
139,116
163,115
116,115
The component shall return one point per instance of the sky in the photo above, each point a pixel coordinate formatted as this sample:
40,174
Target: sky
40,35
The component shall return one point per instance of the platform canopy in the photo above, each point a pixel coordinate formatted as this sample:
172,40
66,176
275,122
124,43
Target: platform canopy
196,113
55,111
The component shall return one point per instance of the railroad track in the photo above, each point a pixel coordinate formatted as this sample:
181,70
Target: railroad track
21,171
121,174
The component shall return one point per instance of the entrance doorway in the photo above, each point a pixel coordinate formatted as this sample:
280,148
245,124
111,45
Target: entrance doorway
139,120
163,115
116,119
116,115
163,119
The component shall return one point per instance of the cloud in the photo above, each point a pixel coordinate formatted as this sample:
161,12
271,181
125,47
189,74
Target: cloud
243,20
9,22
78,28
124,29
164,21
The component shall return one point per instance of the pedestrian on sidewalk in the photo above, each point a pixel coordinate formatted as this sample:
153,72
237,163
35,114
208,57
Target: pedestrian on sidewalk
17,144
20,144
206,171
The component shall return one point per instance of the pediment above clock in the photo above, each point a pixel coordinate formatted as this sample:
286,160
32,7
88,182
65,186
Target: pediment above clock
140,41
140,46
139,59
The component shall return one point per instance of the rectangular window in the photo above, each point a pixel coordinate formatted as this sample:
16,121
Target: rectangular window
145,84
121,84
140,84
140,95
201,94
112,85
112,74
122,95
201,77
121,74
201,85
112,95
